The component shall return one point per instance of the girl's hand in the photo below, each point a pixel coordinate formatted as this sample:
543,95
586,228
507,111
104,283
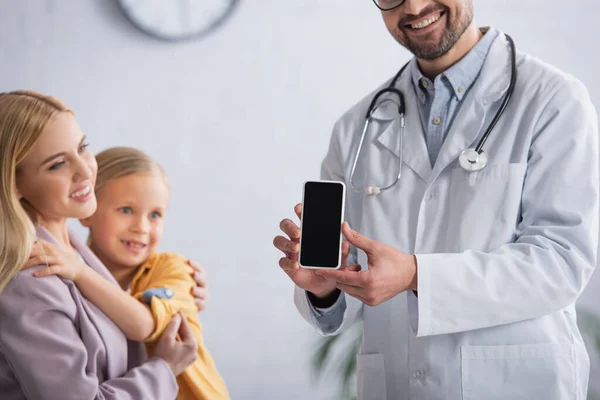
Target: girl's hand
66,264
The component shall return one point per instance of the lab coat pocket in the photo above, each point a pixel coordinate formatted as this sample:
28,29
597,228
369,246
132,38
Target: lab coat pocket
485,206
536,371
371,377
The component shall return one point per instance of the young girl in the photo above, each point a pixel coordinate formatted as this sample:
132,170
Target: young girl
132,194
54,344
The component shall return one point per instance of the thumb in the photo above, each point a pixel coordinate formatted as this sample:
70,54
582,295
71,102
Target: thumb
186,334
358,240
173,327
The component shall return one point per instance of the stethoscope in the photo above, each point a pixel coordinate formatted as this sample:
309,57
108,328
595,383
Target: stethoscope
471,159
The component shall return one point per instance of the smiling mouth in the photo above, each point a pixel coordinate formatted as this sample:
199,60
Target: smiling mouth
426,22
134,245
81,193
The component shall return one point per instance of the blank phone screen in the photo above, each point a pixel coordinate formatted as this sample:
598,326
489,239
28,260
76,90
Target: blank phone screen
321,224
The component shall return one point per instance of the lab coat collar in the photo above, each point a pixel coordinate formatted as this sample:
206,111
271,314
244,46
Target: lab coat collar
489,88
414,148
470,120
494,78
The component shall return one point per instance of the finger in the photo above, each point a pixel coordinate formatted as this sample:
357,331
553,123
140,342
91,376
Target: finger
35,257
200,278
200,293
48,261
46,247
352,268
196,266
172,328
355,268
298,210
35,250
200,304
358,240
286,245
290,229
288,265
345,276
55,270
33,261
185,331
352,291
345,253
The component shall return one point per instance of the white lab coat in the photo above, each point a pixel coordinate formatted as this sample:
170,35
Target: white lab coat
503,254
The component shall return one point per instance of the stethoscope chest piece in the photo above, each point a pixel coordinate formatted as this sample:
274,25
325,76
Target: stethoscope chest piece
472,161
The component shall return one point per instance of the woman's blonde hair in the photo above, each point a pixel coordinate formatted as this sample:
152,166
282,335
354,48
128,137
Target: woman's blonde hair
118,162
23,117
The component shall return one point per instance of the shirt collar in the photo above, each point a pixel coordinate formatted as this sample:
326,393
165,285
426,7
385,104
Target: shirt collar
420,83
464,73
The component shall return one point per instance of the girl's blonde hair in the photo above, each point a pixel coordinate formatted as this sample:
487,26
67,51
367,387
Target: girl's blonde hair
118,162
23,117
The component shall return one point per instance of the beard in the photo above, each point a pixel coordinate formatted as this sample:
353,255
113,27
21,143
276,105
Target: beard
427,49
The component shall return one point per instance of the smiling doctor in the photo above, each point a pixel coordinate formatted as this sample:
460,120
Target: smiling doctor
474,177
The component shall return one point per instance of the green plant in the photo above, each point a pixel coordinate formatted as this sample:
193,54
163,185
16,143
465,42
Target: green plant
335,357
589,324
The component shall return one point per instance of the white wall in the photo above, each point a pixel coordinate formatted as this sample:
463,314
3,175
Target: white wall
239,120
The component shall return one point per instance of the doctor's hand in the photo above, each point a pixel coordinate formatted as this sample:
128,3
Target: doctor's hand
390,272
306,279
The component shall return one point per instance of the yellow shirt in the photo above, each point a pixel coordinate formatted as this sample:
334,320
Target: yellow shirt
171,272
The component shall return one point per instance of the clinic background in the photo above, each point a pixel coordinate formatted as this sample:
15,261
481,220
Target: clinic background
240,119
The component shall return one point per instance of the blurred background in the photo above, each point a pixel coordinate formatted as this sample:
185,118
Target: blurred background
240,118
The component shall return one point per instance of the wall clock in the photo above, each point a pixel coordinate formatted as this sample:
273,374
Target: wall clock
175,20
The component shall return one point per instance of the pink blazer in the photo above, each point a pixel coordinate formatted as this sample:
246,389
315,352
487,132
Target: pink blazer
55,344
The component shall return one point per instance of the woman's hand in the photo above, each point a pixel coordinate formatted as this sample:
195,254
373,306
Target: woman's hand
179,354
200,291
66,264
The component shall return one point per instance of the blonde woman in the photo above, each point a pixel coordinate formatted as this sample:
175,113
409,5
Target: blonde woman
132,193
54,343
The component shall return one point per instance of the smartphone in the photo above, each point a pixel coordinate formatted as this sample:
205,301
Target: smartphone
321,224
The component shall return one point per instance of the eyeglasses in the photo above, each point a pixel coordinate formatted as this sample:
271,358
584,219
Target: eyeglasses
387,5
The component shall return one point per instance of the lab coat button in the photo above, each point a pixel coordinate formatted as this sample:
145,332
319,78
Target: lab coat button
418,374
